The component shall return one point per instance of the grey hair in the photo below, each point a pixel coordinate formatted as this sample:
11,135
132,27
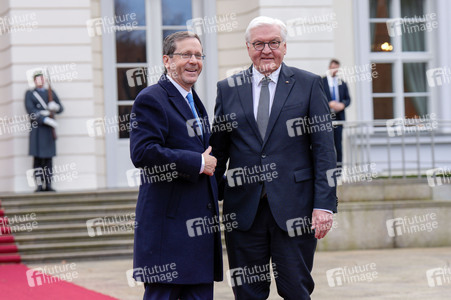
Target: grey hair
262,21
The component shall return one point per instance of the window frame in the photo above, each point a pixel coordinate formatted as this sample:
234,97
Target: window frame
396,58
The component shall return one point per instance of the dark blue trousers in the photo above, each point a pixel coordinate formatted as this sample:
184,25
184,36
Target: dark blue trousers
338,133
161,291
250,252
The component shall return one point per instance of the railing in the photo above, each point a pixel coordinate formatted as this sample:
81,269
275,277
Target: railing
398,147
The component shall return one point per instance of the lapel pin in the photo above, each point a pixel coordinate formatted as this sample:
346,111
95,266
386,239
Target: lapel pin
287,81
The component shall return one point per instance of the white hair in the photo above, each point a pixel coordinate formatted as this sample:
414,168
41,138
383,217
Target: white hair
263,21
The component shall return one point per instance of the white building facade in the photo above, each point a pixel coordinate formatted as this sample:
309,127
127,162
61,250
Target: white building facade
100,54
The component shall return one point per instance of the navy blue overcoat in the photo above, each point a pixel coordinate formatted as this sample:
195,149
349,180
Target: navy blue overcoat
168,237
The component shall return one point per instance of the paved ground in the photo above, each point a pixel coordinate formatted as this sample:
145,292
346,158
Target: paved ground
385,274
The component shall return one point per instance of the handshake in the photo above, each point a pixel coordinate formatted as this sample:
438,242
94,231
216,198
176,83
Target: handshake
210,162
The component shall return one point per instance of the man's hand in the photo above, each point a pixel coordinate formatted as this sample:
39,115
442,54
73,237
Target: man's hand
210,162
322,222
339,106
336,106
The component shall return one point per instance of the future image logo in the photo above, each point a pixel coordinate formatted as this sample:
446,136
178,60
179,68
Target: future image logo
411,225
438,76
438,276
246,175
438,176
248,275
348,275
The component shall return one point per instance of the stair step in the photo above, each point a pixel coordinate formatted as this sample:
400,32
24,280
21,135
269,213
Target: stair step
131,193
8,258
88,255
79,227
72,237
72,210
55,248
48,246
6,239
5,230
8,248
9,204
76,218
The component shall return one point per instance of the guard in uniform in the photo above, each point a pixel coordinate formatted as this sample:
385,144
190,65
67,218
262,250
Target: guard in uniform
42,135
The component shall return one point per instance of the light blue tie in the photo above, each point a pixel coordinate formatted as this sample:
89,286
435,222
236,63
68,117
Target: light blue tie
193,109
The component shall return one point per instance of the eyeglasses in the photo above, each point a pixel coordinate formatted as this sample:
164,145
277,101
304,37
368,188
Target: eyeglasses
189,55
259,46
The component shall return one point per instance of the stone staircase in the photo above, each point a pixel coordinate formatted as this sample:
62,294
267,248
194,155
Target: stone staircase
76,226
71,226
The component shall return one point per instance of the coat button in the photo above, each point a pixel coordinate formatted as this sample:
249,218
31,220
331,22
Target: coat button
209,206
263,155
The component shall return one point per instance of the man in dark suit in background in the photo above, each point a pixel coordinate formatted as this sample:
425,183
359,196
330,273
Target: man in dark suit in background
338,96
42,144
177,209
278,155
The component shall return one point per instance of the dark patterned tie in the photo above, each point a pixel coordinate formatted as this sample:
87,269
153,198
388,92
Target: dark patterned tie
263,107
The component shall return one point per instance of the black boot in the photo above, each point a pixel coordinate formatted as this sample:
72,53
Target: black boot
48,185
39,189
48,188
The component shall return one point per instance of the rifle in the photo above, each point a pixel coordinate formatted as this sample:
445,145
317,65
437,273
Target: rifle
50,98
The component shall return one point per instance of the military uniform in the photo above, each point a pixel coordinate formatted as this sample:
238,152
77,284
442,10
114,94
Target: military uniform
42,139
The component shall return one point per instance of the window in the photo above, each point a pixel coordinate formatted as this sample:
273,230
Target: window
134,67
399,35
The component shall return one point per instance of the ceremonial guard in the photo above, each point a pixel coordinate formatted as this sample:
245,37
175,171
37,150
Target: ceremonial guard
42,104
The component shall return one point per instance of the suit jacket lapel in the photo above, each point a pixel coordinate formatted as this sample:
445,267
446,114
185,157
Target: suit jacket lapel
340,92
327,88
247,100
177,101
283,88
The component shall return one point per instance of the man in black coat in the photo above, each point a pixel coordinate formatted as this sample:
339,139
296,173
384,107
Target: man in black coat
42,136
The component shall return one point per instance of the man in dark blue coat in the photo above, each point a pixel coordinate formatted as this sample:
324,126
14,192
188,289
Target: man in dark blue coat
279,156
338,96
177,251
42,144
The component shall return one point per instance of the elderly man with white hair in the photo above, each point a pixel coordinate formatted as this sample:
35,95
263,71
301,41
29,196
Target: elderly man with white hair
281,159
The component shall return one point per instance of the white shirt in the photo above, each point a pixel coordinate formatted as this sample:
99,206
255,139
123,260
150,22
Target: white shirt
185,93
257,86
179,88
333,84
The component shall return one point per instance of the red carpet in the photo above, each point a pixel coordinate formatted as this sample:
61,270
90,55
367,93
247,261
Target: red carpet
6,239
8,249
17,282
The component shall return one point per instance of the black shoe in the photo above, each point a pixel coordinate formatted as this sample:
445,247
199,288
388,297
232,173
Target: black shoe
39,189
49,189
